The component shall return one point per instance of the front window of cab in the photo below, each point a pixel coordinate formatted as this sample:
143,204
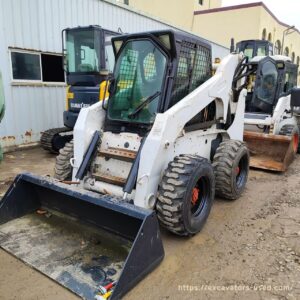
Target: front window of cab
139,76
82,51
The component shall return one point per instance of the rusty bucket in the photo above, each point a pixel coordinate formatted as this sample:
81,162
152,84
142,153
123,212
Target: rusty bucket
270,152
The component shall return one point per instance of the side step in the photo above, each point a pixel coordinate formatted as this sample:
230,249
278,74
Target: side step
120,154
111,179
78,238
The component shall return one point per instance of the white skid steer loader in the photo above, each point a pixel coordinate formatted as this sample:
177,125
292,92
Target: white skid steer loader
272,116
166,141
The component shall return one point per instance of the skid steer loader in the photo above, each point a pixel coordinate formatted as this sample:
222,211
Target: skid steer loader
272,116
156,152
88,59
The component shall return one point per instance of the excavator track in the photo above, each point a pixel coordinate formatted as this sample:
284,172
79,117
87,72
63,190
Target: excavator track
53,140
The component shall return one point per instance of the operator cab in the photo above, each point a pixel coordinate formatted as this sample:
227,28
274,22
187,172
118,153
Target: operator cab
272,78
88,61
153,72
85,62
252,48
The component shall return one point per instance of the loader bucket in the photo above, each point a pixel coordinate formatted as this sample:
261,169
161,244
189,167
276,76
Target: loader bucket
78,238
270,152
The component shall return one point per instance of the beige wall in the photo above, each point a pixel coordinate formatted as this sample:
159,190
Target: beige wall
220,27
292,41
207,4
177,12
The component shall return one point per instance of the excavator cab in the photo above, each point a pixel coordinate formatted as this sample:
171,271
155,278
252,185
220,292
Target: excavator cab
88,60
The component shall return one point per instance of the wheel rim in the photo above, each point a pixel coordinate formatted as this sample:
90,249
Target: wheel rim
295,142
241,172
200,196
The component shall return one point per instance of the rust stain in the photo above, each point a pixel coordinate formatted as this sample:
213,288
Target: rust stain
9,137
28,133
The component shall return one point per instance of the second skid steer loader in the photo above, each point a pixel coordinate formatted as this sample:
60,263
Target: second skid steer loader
165,142
272,116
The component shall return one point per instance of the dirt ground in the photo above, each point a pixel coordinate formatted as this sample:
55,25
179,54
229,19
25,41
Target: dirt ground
249,248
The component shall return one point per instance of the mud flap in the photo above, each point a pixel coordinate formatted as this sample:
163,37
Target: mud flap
79,238
269,152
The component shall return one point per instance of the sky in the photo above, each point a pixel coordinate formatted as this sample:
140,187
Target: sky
287,11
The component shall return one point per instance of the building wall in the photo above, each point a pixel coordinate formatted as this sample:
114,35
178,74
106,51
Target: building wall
245,23
207,4
174,11
222,26
292,41
37,24
177,12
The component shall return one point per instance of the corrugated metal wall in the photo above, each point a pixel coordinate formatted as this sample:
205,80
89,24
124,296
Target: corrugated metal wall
37,24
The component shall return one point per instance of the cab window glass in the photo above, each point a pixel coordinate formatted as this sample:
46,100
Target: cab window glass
139,73
261,50
248,51
266,90
109,54
149,66
83,48
290,81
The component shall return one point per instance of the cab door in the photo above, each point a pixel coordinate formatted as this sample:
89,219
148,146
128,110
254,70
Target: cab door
264,96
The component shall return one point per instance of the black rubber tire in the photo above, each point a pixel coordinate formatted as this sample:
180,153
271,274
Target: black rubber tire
231,155
290,130
174,207
63,169
52,141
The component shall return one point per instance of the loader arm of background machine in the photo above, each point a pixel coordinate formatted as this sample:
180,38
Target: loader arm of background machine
160,144
283,105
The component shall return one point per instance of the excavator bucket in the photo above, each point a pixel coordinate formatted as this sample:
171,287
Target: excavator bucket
78,238
270,152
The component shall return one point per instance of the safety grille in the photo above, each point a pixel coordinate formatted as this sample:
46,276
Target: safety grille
194,68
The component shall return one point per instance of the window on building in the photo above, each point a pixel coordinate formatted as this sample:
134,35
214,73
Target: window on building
264,34
35,66
201,2
277,47
286,51
52,70
126,2
293,57
26,66
270,37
